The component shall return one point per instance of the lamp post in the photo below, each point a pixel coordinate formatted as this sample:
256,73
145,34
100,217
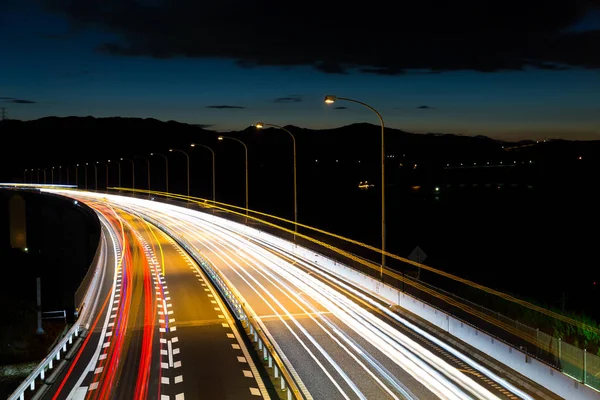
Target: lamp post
25,176
261,125
77,176
148,163
132,172
246,157
213,168
108,162
52,175
59,174
85,170
188,169
332,99
96,176
166,169
44,170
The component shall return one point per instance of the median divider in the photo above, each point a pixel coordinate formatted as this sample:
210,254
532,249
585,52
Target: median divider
283,376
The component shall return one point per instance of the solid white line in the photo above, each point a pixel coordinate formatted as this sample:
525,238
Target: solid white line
170,347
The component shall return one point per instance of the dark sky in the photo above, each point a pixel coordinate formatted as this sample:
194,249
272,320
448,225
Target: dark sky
507,69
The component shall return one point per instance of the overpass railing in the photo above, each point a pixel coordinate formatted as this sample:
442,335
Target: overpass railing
573,361
83,295
286,381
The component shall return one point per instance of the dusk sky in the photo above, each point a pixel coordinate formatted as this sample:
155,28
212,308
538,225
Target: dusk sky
502,69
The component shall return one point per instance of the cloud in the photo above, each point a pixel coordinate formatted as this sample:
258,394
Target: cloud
226,107
424,108
388,39
340,108
289,99
17,101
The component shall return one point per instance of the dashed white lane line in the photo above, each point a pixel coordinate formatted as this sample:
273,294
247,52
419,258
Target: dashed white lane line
178,379
170,348
164,380
255,391
179,396
248,374
235,346
231,336
241,359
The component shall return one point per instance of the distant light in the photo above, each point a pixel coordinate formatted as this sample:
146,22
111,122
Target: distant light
220,138
259,125
150,154
447,165
27,249
109,160
193,145
316,160
437,189
530,161
488,163
329,99
461,164
337,160
75,202
359,161
580,158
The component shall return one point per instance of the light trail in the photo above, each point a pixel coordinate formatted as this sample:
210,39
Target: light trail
286,290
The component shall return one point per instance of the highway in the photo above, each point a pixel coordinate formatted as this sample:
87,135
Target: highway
161,331
343,342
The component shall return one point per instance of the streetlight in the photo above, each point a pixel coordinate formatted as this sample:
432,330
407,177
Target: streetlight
37,175
85,170
107,174
77,175
148,162
332,99
25,176
188,169
59,174
52,175
246,156
44,169
261,125
166,169
132,172
213,168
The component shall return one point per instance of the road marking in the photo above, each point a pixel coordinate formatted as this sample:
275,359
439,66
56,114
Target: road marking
241,359
248,374
105,345
163,352
221,316
170,347
173,329
164,365
235,346
162,330
178,379
98,370
102,356
179,396
230,335
164,397
255,391
108,334
175,351
177,364
93,386
214,302
164,380
171,320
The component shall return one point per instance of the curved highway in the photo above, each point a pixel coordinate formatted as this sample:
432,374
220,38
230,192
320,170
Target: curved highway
160,331
343,342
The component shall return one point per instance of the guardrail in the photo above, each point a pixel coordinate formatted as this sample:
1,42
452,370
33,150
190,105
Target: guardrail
285,378
38,375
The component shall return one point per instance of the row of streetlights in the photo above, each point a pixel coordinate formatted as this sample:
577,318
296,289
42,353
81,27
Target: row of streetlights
259,125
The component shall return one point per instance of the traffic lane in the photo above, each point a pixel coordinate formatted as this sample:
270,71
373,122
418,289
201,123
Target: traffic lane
76,374
213,361
342,367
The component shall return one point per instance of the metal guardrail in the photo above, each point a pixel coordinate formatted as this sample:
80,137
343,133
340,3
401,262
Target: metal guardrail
38,375
285,377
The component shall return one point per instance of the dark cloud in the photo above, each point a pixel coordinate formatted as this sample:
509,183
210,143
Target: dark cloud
289,99
424,108
204,126
16,101
389,39
340,108
224,107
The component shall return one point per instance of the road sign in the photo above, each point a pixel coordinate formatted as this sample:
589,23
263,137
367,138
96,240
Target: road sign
417,255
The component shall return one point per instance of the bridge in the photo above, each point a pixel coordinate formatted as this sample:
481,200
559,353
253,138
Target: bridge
191,298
